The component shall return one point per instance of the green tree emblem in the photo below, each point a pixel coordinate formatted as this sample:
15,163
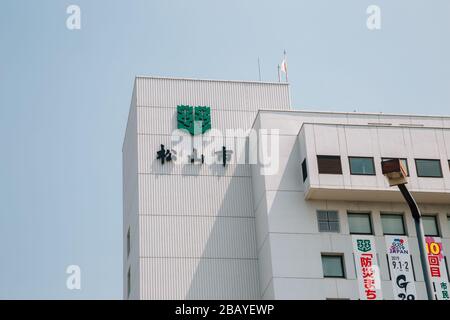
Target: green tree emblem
195,120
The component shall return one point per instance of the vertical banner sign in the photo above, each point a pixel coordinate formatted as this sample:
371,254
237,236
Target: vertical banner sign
438,270
400,267
367,270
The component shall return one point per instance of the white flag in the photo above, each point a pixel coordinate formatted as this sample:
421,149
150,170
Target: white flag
284,66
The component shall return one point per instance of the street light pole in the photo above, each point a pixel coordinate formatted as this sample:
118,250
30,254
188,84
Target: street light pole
415,211
397,175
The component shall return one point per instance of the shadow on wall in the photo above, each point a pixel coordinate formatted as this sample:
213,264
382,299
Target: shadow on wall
228,266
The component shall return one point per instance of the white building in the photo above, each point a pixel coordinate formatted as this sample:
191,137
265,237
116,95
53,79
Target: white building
280,227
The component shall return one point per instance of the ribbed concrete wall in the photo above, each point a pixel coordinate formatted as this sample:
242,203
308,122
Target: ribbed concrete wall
130,203
196,222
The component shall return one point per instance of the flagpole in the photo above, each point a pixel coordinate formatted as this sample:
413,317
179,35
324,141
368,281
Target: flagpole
259,69
279,75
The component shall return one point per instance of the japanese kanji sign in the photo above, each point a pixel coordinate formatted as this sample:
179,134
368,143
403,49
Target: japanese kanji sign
165,155
400,266
367,270
438,270
196,120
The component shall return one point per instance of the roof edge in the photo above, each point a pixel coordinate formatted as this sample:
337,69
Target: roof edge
213,80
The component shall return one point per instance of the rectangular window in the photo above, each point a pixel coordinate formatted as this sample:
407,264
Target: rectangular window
404,161
362,166
393,224
328,221
128,242
430,226
304,170
129,281
428,168
359,223
333,266
448,225
329,164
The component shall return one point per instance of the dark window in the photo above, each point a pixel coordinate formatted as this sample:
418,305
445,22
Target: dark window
448,225
328,221
128,242
333,266
393,224
430,226
362,166
359,223
304,170
428,168
329,164
129,282
404,161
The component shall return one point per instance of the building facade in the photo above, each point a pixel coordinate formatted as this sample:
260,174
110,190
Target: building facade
266,202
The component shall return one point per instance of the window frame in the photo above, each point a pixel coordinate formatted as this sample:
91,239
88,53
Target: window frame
436,222
405,233
328,221
427,176
368,213
362,174
329,157
448,226
342,263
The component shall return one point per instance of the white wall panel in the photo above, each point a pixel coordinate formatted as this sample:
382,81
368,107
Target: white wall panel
165,92
195,195
175,278
195,237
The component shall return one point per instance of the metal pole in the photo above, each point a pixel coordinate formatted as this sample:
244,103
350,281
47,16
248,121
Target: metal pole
279,75
259,69
415,211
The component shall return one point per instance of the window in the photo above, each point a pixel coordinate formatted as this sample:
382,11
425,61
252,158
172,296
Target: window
393,224
402,160
328,221
128,242
329,164
430,226
428,168
448,225
359,223
129,281
362,166
304,170
333,266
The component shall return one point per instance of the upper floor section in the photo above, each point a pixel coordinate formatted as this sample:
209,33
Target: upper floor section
343,161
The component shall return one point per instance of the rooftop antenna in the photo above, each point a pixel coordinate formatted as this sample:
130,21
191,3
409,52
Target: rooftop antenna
259,68
279,75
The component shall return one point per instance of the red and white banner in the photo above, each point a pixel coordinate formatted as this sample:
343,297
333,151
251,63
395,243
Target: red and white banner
367,269
438,270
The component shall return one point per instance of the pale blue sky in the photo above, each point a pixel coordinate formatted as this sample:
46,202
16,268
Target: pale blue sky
65,95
